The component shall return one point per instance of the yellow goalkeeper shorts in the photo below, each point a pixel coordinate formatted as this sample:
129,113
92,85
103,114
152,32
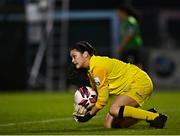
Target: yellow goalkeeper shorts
140,88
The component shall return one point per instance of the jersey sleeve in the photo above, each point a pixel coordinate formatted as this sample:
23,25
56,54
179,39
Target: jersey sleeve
100,79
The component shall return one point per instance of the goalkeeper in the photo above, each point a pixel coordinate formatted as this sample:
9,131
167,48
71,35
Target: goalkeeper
109,76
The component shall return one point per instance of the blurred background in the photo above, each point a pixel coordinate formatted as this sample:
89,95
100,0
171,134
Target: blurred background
35,36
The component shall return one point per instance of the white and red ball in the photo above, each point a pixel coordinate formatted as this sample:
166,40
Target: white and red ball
85,96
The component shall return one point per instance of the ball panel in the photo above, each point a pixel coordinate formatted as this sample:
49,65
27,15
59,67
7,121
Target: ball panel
85,96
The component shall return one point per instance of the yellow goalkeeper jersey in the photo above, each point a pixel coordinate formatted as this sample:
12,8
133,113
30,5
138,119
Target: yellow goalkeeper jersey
110,76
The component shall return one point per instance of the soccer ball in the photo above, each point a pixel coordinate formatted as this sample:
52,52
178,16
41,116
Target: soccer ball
85,96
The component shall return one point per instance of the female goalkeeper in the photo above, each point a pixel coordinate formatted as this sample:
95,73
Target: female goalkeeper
109,76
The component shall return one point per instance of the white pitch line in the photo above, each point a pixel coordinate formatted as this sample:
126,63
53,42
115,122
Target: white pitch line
34,122
40,121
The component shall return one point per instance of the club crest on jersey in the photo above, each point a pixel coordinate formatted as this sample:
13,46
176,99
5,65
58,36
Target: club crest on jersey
97,81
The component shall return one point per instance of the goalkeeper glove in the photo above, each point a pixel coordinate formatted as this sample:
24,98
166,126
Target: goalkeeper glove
84,118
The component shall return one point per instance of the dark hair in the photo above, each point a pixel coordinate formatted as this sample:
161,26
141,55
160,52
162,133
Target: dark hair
130,11
83,46
82,73
77,74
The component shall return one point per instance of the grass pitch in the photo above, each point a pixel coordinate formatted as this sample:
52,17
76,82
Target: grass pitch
51,113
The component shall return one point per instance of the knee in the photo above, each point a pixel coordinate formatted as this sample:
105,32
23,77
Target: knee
113,111
116,111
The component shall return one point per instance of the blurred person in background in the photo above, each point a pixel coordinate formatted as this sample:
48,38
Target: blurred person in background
130,43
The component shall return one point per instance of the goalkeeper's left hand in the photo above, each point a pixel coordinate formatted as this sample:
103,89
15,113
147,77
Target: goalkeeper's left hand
84,118
79,110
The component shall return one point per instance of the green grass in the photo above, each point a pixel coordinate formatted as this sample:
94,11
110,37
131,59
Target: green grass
51,113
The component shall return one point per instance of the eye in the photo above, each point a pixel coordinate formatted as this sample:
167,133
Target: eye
74,56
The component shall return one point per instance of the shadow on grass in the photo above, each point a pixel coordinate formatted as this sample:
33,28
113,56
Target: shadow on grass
94,129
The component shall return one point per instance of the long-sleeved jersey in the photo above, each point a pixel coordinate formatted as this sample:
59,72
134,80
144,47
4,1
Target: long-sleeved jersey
110,76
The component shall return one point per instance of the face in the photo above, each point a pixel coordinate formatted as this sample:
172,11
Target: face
78,58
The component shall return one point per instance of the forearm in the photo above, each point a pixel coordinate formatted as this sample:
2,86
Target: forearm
125,41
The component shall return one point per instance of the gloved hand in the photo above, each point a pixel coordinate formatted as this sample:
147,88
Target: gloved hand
79,110
81,114
84,118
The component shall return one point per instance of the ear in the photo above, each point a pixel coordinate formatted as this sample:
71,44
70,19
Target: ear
85,54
